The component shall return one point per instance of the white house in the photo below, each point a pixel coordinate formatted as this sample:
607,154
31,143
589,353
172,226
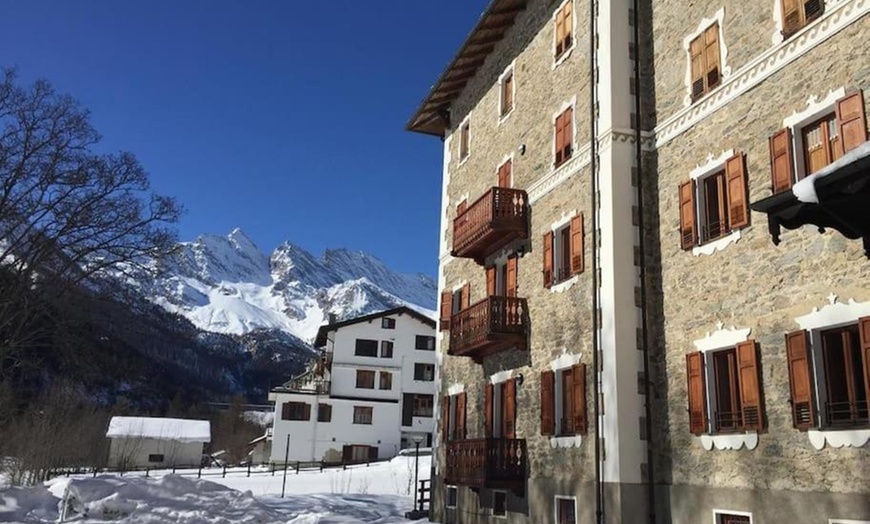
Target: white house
370,394
138,442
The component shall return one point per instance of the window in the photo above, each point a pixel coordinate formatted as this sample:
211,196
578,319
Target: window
501,278
366,348
425,342
704,59
452,496
324,413
464,136
362,415
564,136
563,401
564,28
423,405
296,411
506,93
730,379
452,302
499,503
839,357
424,372
386,349
500,409
566,511
505,179
453,416
731,518
563,252
386,380
388,323
155,458
798,13
714,204
365,379
821,143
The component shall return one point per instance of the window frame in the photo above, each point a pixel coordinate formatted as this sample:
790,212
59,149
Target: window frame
495,494
388,323
429,342
508,73
387,349
562,254
422,411
360,419
424,367
152,458
560,57
324,412
385,377
365,373
820,379
568,106
833,152
289,414
464,139
358,349
702,221
557,501
718,515
455,498
788,32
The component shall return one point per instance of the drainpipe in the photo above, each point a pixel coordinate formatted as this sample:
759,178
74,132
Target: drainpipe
593,145
650,478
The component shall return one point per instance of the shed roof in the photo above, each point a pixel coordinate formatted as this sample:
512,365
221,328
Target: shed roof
177,429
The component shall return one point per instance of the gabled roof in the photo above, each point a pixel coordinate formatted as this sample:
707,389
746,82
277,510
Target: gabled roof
432,117
320,340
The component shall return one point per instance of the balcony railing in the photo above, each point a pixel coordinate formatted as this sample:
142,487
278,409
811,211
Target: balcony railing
492,221
495,463
316,387
489,326
847,414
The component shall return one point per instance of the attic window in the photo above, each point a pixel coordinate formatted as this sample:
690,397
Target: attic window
388,323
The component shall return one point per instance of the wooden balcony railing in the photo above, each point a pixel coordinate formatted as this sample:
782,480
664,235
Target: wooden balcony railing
492,221
489,326
496,463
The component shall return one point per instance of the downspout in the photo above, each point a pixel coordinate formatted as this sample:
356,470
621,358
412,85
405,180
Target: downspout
650,477
593,163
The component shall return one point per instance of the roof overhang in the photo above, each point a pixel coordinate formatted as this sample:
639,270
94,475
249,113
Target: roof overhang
433,115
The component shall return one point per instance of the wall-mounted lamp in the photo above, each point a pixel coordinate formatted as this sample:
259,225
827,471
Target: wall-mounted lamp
522,149
519,379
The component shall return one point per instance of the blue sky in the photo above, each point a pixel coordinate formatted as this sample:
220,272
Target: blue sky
285,118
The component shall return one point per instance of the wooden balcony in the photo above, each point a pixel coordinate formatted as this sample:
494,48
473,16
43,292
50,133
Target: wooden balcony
491,222
494,324
494,463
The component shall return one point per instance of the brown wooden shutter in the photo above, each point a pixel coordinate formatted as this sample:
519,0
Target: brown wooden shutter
445,418
568,133
504,174
466,295
738,205
712,56
697,393
560,139
698,67
560,33
548,405
568,24
306,411
548,259
864,332
688,231
750,387
446,309
850,119
509,423
800,379
487,410
460,415
781,171
791,16
578,375
512,276
490,281
577,244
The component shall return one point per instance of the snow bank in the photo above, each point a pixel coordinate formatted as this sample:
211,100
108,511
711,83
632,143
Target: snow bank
805,189
260,418
178,429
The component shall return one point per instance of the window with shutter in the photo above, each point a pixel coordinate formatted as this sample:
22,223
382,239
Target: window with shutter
490,281
446,309
563,252
506,92
509,411
781,165
548,259
460,416
577,244
696,392
548,383
511,269
504,174
798,13
564,28
464,140
578,402
365,379
488,412
296,411
688,232
734,402
738,202
704,60
714,204
466,296
750,387
800,381
851,123
564,137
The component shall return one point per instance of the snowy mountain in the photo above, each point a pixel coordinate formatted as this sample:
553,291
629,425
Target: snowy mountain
228,285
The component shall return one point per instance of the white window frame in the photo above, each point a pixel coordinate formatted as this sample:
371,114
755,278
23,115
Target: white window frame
510,70
492,509
557,61
571,104
815,110
465,122
718,513
556,500
724,69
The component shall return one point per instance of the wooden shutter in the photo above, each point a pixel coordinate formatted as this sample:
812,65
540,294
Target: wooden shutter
712,56
577,244
504,174
697,393
560,33
460,415
548,404
688,231
791,16
446,309
738,206
864,331
850,119
560,139
781,160
445,418
568,24
508,102
578,375
698,67
306,411
750,387
466,295
568,132
487,410
548,259
800,379
512,276
509,422
490,281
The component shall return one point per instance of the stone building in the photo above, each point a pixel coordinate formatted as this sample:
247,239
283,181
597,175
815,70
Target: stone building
708,120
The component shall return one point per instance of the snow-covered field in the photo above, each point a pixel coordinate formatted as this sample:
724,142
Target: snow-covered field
377,494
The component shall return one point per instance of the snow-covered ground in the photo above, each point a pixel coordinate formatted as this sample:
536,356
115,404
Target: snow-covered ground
377,494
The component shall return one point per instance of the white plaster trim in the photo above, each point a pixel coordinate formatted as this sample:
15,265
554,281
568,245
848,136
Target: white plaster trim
815,110
573,441
837,439
466,120
722,338
732,442
456,389
835,18
564,56
501,376
834,314
719,244
563,221
565,360
711,165
724,68
509,70
563,286
719,512
847,521
777,37
560,174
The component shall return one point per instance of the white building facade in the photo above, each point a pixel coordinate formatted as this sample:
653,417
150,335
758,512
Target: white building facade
370,395
155,442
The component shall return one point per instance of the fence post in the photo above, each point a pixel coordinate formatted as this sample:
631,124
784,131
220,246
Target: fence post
173,469
146,472
297,467
273,468
225,471
199,472
249,468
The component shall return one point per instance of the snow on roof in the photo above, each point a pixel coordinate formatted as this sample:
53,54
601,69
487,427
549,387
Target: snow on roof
178,429
805,189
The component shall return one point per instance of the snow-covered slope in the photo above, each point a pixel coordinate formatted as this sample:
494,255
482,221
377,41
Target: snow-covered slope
228,285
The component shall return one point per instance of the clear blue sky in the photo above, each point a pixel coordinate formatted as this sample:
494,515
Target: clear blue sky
282,117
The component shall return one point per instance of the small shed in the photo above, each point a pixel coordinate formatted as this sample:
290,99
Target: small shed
140,442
